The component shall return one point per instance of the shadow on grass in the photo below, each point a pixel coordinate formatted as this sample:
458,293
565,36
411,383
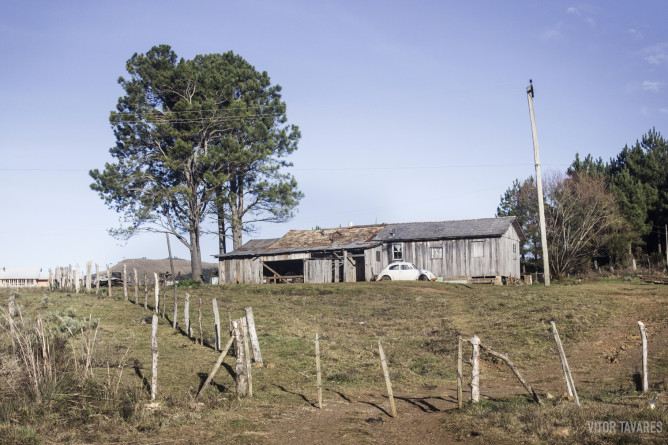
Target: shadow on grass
202,379
282,388
146,386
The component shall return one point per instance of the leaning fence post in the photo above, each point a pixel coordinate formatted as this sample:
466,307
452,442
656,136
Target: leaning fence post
475,371
156,292
154,350
564,365
643,336
215,367
252,333
216,325
388,383
459,372
317,370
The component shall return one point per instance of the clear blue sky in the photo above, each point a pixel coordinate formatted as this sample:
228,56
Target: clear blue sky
409,111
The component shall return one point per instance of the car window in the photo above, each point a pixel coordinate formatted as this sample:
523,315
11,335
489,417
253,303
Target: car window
406,267
395,267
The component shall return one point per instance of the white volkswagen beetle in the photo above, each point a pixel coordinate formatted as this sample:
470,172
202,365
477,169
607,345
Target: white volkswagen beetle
401,270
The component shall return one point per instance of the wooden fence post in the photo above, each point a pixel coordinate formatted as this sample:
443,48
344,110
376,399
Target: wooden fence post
643,337
186,316
136,283
388,383
156,293
255,344
247,353
77,279
460,397
97,279
216,325
201,339
145,291
564,365
154,350
240,368
125,282
89,271
108,281
317,370
475,371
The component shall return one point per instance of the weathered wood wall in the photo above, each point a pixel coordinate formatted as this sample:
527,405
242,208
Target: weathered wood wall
458,260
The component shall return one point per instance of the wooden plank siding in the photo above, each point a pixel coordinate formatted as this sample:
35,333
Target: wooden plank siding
497,257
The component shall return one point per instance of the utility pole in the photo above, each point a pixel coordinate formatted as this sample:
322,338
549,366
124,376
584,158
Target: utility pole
539,187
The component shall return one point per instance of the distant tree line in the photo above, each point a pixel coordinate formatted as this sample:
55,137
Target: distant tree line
612,211
197,140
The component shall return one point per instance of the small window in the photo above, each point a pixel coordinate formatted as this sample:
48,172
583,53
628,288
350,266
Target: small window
436,253
397,251
477,250
378,256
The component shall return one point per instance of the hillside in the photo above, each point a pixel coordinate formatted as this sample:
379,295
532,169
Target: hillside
181,267
418,325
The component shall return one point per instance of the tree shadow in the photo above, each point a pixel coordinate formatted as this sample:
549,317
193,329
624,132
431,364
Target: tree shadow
282,388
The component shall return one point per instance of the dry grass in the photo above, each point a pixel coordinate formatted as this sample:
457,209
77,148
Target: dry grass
417,323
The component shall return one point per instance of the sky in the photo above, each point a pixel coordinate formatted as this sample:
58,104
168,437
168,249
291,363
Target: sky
409,110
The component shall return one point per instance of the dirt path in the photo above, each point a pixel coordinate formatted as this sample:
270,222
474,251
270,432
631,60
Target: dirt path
364,418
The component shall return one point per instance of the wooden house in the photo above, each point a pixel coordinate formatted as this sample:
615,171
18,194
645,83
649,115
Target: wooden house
468,249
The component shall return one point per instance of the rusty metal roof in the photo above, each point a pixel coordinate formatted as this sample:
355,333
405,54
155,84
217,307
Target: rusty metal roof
327,237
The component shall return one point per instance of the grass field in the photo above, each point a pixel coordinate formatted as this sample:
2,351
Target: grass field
417,324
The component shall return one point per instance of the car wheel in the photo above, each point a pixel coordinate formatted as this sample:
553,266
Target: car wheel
385,278
423,278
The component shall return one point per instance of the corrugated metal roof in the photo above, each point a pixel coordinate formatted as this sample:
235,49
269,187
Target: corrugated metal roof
23,273
469,228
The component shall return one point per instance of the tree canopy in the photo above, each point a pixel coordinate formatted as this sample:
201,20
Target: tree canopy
186,130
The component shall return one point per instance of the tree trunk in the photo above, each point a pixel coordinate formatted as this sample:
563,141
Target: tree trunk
222,248
236,211
195,256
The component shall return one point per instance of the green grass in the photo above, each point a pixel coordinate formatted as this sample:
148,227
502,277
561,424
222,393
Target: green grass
416,322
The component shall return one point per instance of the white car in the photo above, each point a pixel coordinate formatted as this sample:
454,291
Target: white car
401,270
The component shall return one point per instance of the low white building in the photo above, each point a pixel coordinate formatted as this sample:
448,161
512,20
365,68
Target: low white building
23,277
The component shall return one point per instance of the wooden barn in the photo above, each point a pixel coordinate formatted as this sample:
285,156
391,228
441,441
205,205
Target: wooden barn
468,249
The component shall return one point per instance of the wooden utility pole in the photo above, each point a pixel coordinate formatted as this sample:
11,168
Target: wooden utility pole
539,187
